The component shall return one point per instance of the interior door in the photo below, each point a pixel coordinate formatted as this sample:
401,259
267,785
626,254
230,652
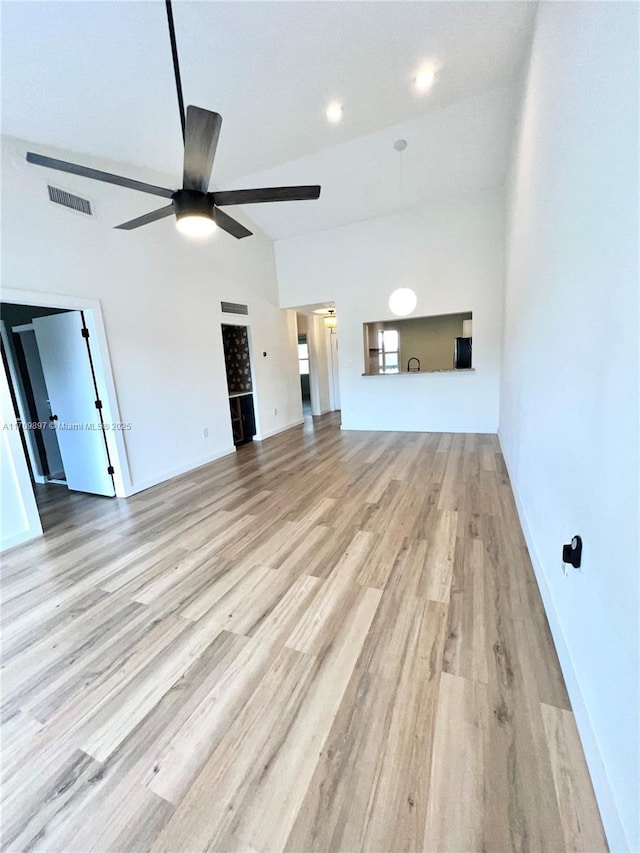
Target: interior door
68,372
40,398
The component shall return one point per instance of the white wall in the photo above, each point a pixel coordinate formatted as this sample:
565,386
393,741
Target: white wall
451,253
569,401
160,295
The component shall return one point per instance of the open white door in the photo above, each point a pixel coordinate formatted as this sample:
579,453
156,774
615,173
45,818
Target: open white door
68,371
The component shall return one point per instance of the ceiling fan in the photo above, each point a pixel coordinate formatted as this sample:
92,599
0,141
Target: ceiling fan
197,211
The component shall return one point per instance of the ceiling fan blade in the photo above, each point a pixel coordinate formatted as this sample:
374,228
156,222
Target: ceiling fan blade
146,219
231,226
201,141
265,194
96,175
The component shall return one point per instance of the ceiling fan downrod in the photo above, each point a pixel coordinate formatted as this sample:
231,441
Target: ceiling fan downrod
176,66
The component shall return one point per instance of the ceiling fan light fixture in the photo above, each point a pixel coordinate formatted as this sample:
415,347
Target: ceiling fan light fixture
197,225
194,214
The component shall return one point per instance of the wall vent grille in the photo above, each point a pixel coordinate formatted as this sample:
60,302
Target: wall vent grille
234,308
74,202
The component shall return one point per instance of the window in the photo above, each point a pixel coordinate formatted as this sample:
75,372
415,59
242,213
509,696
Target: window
303,355
388,350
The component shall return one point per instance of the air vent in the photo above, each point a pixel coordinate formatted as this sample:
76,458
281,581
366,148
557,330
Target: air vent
234,308
74,202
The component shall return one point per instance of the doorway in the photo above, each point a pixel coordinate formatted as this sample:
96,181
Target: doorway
305,377
317,362
237,361
88,456
54,377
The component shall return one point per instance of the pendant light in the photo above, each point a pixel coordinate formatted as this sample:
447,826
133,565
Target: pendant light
330,320
403,300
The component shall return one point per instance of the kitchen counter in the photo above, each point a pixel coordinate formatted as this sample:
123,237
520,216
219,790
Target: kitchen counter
422,372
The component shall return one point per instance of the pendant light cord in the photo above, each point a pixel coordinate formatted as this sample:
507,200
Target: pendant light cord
176,66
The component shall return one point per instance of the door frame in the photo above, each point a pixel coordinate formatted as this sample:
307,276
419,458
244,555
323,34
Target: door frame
334,361
15,379
115,438
305,335
16,471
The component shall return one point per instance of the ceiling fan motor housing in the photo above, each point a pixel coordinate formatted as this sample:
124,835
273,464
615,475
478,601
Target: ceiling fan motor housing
192,203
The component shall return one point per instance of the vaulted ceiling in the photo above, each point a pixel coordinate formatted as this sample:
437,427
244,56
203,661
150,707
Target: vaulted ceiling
96,78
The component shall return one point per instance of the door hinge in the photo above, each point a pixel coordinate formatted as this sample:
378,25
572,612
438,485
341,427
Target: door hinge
85,332
98,404
111,470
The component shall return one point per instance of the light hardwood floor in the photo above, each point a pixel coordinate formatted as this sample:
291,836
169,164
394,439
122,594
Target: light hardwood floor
328,642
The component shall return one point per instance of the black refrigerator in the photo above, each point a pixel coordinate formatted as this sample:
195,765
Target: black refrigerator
462,354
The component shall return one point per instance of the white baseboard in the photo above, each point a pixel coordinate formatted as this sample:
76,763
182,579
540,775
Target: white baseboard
19,539
177,472
613,827
277,431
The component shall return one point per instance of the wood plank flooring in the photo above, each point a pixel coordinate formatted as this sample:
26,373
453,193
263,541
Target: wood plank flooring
327,642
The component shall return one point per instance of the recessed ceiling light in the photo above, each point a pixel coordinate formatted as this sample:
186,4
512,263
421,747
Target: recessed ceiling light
334,112
424,79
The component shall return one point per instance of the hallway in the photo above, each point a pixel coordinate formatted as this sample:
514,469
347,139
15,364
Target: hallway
328,641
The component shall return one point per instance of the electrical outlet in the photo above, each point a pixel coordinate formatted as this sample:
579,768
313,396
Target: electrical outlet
275,411
205,432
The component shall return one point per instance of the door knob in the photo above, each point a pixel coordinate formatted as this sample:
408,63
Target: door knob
53,417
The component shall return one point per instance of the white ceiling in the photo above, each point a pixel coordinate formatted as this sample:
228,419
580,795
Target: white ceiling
450,152
96,77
